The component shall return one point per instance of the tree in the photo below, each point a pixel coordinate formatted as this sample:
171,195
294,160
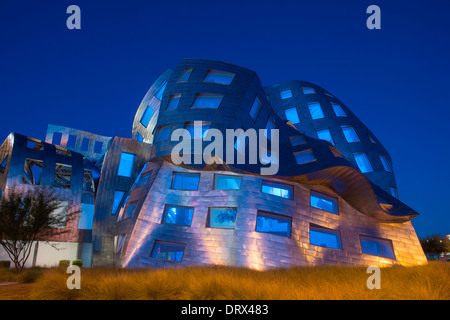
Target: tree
435,245
25,218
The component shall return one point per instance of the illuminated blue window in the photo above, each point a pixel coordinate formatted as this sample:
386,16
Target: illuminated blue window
118,195
385,162
185,76
286,94
85,144
71,142
226,182
98,147
308,90
297,140
126,164
241,142
377,247
325,134
338,110
279,190
139,137
394,192
304,156
324,237
86,216
146,116
57,138
169,251
350,134
316,110
207,101
130,210
292,115
269,126
222,217
202,130
160,92
143,179
185,181
273,223
256,106
221,77
174,101
363,162
163,133
323,202
178,215
3,164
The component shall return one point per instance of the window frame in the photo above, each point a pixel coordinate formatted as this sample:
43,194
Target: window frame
318,227
268,213
228,175
165,241
345,136
186,173
280,184
296,111
259,109
377,238
304,151
207,95
215,71
312,191
166,206
208,217
281,96
185,70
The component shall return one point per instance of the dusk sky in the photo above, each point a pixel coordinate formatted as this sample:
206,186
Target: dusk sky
396,79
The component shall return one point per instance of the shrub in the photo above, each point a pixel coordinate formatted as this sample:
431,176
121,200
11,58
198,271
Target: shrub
64,263
77,263
5,264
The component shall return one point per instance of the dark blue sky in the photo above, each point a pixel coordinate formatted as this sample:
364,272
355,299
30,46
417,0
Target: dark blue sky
396,80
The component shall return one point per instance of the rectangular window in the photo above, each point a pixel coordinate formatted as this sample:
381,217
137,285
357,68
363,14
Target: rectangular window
119,241
273,223
256,107
221,77
308,90
146,116
71,142
292,115
297,140
350,134
385,162
269,126
394,192
118,195
185,76
202,130
130,210
126,164
324,202
85,144
63,174
178,215
143,179
160,92
277,189
338,110
169,251
377,247
305,156
207,101
363,162
222,217
185,181
32,172
98,147
163,133
241,142
139,137
57,136
226,182
325,134
286,94
316,110
174,100
59,215
324,237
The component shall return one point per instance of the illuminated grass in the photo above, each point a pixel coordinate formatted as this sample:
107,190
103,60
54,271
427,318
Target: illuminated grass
422,282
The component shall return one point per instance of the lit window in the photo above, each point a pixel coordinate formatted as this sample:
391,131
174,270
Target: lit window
308,90
324,237
160,92
86,216
241,142
63,174
130,210
178,215
32,173
174,101
297,140
143,179
85,144
286,94
277,189
146,116
126,164
338,110
207,101
304,156
377,247
323,202
363,162
185,76
222,218
139,137
270,125
98,147
226,182
169,251
118,195
202,129
119,241
394,192
273,223
57,136
316,110
325,134
350,134
256,106
185,181
163,133
221,77
385,162
71,142
292,115
3,164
